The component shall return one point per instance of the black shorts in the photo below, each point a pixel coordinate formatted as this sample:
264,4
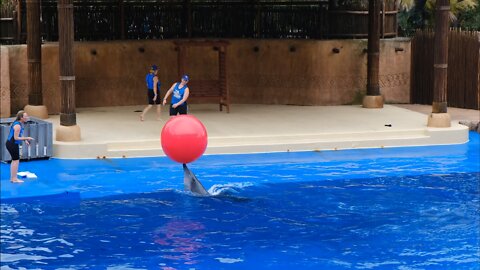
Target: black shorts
150,98
13,149
182,109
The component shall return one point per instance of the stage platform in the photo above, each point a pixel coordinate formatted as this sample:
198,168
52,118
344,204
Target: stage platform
117,132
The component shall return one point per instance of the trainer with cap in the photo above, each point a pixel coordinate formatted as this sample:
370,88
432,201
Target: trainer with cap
153,91
178,104
13,144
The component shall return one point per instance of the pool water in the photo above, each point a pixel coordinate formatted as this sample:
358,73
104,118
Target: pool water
397,208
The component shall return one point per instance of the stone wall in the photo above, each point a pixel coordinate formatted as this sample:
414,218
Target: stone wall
4,83
299,72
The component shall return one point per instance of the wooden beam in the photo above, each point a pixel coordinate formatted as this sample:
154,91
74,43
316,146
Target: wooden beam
34,53
66,62
373,58
19,21
440,57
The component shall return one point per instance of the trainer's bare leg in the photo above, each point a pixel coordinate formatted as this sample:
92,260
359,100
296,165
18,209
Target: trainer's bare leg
159,112
142,116
14,171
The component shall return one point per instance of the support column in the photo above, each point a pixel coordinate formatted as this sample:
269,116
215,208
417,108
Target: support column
35,105
18,10
222,74
68,129
439,116
373,99
258,19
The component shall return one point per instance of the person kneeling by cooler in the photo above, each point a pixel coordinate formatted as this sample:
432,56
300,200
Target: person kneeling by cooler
178,104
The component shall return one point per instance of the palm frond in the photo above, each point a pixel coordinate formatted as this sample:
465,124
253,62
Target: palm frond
465,5
405,4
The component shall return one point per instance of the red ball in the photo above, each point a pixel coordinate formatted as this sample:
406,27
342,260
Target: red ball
184,138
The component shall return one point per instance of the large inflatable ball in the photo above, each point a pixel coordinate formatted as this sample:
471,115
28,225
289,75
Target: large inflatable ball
184,138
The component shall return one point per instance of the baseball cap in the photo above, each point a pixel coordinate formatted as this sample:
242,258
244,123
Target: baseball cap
185,77
154,67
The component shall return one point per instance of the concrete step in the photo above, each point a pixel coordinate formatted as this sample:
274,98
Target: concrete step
274,143
280,143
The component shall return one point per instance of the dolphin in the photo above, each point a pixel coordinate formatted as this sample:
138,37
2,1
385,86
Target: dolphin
191,182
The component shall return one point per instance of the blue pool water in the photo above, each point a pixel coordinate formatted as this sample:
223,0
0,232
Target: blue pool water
397,208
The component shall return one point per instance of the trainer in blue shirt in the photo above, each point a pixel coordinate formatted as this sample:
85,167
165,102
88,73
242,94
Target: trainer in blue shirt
15,138
178,104
153,91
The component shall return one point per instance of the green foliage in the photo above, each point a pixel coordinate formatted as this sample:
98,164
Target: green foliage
457,7
409,21
463,13
470,20
6,7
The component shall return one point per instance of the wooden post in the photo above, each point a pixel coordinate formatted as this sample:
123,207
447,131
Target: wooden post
373,88
222,77
15,27
440,57
68,129
34,62
373,98
34,53
383,19
439,116
66,62
258,19
19,20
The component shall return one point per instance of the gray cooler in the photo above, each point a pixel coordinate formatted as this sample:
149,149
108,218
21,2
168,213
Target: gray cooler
40,130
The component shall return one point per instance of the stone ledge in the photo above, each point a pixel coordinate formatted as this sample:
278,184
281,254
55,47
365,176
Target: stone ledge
68,133
439,120
372,102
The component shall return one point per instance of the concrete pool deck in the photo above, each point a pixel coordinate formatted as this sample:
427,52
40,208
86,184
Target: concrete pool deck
118,132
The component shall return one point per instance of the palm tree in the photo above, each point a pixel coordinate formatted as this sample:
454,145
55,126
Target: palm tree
428,7
456,8
415,14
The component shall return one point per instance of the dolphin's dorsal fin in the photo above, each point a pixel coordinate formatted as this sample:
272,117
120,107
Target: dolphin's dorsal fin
191,182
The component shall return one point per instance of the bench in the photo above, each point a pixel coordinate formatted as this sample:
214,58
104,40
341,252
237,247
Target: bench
206,89
210,90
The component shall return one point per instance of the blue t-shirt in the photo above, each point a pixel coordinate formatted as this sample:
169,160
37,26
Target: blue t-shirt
149,81
178,93
12,131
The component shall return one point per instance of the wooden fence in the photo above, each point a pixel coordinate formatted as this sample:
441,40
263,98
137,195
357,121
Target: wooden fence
173,19
353,23
8,22
463,85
